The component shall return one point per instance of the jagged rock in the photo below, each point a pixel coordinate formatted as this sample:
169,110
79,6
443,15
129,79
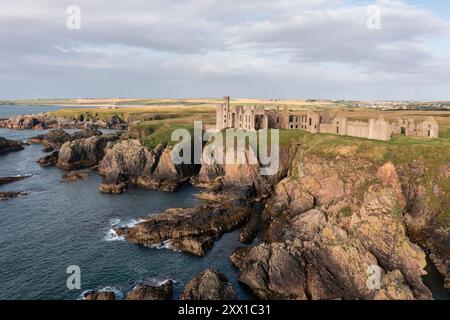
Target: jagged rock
393,287
82,153
192,230
9,145
5,180
73,176
336,220
53,139
209,285
151,292
271,271
167,175
380,227
11,194
45,121
130,162
99,295
127,159
24,122
49,160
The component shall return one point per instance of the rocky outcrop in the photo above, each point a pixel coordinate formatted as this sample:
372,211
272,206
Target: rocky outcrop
5,180
145,291
191,230
44,121
328,223
55,138
83,153
73,176
38,122
99,295
209,285
50,160
427,203
9,146
130,163
52,139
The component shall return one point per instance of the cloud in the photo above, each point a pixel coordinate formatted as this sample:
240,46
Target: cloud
285,48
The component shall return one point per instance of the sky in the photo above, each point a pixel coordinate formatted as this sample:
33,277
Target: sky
331,49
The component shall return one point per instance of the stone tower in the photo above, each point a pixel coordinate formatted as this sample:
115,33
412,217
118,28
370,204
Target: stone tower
222,113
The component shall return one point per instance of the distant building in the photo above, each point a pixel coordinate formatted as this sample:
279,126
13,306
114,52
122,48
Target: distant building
257,117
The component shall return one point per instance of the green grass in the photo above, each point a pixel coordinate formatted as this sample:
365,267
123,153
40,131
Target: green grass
164,134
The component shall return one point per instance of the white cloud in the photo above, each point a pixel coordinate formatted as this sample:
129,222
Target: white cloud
291,48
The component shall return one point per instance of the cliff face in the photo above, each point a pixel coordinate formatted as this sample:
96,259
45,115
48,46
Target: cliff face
326,225
130,163
330,221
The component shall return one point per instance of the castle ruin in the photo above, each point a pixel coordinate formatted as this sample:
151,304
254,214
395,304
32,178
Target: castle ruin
258,117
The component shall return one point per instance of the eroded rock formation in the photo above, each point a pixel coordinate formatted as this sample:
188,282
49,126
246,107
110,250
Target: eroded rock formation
209,285
9,145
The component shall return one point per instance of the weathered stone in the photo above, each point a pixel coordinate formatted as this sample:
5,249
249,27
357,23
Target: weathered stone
49,160
5,180
151,292
9,145
82,153
209,285
192,230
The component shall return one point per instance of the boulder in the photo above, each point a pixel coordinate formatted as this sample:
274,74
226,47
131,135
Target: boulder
9,145
146,291
209,285
99,295
82,153
49,160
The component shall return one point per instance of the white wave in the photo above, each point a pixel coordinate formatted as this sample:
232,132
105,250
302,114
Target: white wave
163,245
111,234
118,293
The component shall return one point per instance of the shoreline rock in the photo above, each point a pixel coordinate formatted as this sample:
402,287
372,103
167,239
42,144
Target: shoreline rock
49,160
44,121
7,146
83,153
11,194
191,230
150,291
5,180
209,285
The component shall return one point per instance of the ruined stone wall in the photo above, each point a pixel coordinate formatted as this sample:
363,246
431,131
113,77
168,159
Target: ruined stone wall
358,129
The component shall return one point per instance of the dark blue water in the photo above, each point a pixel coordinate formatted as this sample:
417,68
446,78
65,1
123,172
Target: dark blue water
61,224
